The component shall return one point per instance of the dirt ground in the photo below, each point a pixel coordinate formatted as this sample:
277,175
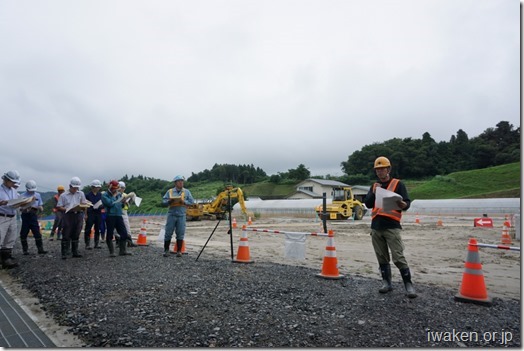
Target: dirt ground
436,254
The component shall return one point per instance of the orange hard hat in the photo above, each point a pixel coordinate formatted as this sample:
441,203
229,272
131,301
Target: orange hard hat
382,162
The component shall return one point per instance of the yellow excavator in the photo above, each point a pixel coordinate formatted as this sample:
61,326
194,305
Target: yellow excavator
219,206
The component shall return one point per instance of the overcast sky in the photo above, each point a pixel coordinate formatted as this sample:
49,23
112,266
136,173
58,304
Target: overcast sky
100,89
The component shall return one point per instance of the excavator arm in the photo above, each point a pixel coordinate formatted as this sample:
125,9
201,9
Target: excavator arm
218,206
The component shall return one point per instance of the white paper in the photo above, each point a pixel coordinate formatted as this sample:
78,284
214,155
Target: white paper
295,246
18,202
386,200
138,201
161,234
97,204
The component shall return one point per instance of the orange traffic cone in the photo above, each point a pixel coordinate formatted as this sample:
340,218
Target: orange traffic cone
183,250
505,238
473,288
507,222
234,223
92,234
330,262
249,221
439,222
142,236
417,220
243,249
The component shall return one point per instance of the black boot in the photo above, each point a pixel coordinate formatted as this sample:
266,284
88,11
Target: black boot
65,248
51,236
40,246
166,248
74,248
385,270
406,277
111,248
25,247
6,259
88,244
130,242
179,244
122,246
59,236
97,246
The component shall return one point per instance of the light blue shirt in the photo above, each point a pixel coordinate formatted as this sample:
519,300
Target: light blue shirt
178,210
38,199
8,194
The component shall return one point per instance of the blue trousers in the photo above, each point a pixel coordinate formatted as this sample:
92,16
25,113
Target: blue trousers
175,223
30,223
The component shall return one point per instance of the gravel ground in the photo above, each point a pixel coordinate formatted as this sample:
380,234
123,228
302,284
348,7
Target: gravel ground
146,300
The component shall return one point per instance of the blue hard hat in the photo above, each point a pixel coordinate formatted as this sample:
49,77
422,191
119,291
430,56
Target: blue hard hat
178,177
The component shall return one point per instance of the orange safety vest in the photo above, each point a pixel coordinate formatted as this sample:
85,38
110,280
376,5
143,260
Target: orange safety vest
182,196
393,214
56,198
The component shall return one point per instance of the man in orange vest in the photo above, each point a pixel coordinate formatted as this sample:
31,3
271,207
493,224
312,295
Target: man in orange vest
386,228
59,215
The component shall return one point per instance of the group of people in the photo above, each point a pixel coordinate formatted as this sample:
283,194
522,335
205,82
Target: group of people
385,223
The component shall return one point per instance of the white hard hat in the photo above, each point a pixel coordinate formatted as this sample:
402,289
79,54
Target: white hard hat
121,184
178,177
75,183
13,176
96,183
30,185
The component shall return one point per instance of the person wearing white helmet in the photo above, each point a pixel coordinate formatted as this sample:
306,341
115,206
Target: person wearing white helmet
59,215
386,228
125,207
8,225
94,215
29,214
73,219
176,198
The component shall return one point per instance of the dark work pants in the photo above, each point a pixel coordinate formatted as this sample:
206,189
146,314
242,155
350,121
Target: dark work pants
58,223
94,218
30,223
72,226
115,222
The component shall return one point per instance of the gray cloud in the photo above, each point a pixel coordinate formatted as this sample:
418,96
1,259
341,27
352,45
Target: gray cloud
99,89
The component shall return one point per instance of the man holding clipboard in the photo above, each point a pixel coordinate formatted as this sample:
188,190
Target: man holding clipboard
388,198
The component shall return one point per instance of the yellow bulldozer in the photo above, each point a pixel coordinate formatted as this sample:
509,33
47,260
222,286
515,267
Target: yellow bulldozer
343,206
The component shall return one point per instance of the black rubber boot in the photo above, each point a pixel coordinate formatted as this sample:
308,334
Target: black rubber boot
385,270
179,244
166,248
25,246
97,244
51,236
88,243
406,277
7,260
122,244
40,246
65,248
130,242
111,248
74,248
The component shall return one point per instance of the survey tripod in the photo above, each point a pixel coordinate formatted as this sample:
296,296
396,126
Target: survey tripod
230,231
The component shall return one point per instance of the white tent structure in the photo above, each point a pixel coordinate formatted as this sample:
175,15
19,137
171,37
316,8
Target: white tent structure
475,207
467,206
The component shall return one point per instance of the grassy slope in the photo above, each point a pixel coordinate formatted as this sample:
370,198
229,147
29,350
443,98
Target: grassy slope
499,181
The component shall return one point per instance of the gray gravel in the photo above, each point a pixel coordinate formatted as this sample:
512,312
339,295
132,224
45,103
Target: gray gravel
146,300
